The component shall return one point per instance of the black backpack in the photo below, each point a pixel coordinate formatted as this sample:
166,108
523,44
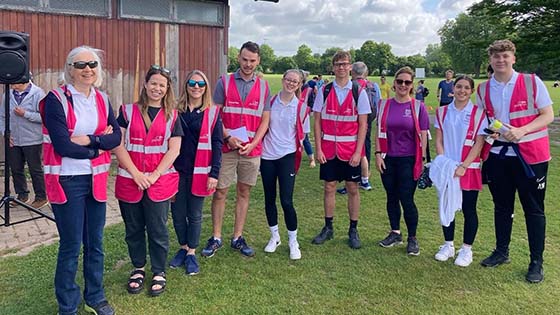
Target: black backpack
355,91
370,91
426,92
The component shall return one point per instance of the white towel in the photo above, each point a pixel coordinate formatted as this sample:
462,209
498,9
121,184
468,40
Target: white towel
442,171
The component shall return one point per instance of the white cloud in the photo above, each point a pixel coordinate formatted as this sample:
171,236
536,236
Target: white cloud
407,25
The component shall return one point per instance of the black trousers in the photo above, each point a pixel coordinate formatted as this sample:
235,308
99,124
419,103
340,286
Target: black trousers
187,213
146,216
400,186
505,177
281,171
470,198
33,155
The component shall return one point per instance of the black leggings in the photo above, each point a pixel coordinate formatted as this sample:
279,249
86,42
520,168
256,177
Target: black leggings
399,183
282,171
471,219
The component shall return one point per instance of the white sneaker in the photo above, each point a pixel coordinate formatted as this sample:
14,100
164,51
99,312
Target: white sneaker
445,252
295,253
464,257
272,244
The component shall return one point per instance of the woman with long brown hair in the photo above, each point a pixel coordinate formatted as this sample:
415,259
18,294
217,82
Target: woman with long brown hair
198,165
401,148
146,179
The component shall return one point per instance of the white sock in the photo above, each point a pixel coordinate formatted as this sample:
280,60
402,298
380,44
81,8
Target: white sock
450,243
467,247
292,236
365,180
274,231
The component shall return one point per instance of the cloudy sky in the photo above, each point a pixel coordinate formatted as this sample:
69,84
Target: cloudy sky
407,25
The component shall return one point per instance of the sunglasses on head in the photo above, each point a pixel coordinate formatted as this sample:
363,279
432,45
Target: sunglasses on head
400,82
83,64
193,83
160,69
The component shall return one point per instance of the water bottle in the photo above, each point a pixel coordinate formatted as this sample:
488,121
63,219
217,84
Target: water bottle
498,126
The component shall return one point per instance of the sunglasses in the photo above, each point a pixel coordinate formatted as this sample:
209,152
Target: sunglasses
160,69
406,82
83,64
193,83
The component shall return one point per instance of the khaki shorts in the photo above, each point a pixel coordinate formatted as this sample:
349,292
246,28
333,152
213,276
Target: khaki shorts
238,168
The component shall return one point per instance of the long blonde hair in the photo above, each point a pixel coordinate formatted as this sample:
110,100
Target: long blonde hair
168,100
183,101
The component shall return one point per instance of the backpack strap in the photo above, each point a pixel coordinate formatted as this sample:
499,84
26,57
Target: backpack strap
356,89
326,91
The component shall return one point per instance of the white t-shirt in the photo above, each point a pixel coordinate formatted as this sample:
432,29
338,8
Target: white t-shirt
85,109
341,93
455,126
280,140
500,95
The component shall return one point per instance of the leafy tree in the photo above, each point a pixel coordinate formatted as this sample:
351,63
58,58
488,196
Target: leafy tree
304,57
377,56
437,61
284,63
233,64
267,58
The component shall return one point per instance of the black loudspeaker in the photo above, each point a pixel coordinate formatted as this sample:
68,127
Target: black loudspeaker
14,57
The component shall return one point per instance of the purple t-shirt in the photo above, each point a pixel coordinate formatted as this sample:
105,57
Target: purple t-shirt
400,128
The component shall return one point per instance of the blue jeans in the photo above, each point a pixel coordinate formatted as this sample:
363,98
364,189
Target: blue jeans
80,220
307,145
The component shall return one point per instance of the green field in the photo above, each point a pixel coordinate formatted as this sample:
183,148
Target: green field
329,279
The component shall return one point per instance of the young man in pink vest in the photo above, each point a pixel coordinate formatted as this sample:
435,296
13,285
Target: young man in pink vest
340,132
518,159
245,107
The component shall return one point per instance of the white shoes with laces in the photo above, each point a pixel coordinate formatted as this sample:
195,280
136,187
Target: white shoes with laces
273,243
295,253
446,251
464,257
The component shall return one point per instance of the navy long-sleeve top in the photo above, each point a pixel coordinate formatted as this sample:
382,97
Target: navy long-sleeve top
55,122
191,123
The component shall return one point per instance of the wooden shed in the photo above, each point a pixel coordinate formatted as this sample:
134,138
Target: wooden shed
179,34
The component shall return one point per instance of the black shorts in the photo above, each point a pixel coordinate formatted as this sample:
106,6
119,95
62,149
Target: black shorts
337,170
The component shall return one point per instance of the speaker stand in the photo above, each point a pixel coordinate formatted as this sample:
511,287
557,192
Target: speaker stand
7,199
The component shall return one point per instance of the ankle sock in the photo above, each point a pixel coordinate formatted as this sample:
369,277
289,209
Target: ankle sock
292,236
274,231
365,180
328,222
449,243
353,224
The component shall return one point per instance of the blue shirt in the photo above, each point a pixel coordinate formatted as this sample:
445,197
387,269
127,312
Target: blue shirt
446,89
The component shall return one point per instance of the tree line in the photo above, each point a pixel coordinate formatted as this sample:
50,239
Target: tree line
533,25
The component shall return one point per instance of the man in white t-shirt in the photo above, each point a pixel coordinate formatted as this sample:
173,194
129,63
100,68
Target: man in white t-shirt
518,159
340,132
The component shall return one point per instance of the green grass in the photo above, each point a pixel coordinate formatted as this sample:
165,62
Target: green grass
330,279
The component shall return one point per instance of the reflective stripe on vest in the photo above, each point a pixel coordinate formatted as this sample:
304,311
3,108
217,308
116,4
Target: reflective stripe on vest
203,155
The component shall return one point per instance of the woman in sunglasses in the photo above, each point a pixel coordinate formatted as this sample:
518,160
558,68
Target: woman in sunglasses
79,130
459,138
281,158
401,147
198,165
146,179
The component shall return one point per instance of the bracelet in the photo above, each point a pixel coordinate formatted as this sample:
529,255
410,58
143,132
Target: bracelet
377,152
227,138
463,166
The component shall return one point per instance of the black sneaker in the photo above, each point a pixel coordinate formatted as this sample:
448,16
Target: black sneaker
325,235
412,247
495,259
102,308
391,240
354,239
535,273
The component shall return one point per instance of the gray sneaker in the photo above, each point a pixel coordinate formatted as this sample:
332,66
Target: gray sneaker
412,247
391,240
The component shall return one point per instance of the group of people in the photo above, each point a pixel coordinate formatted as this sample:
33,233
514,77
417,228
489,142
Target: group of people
174,153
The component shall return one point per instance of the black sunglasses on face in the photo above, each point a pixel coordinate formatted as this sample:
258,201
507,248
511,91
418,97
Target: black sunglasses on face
82,64
406,82
160,69
193,83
